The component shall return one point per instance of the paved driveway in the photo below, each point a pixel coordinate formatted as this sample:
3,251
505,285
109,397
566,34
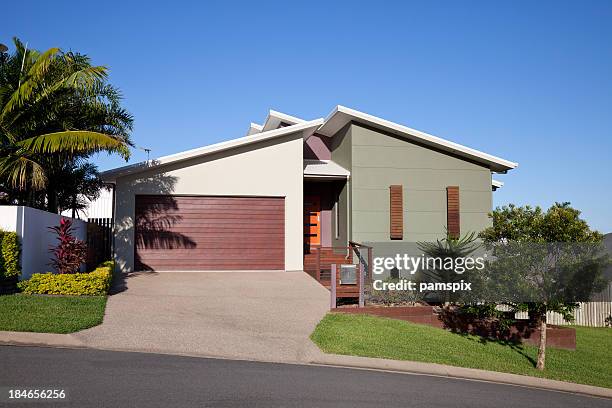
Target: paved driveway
259,315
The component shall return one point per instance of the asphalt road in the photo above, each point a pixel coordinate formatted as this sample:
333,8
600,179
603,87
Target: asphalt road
94,378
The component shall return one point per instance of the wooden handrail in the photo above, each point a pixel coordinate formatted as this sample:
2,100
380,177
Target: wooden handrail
359,245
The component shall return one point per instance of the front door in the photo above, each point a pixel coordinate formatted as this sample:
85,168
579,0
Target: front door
312,220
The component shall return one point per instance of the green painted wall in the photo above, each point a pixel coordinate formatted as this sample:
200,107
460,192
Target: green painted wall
341,154
377,160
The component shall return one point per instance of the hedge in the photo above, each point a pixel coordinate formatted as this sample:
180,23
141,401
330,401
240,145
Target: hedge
95,283
9,254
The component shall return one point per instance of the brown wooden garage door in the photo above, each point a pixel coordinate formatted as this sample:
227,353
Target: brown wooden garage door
186,233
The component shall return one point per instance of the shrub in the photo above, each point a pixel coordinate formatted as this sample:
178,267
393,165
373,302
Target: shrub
9,254
95,283
70,253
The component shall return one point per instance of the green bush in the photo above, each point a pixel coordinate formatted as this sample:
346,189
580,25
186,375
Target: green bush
95,283
9,254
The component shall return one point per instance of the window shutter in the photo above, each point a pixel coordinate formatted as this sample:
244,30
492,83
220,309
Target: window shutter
396,211
452,211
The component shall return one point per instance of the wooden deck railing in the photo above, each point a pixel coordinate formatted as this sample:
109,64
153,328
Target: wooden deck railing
319,262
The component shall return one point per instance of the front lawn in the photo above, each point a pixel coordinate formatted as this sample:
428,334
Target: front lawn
369,336
50,314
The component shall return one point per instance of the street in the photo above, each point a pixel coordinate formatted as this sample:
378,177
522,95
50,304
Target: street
95,378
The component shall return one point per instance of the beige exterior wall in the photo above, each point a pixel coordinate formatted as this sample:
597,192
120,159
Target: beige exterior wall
379,160
270,168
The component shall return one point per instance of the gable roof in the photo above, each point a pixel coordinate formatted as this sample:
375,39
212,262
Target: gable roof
341,115
307,128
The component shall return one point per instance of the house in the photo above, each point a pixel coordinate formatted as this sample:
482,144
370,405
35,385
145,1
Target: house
263,201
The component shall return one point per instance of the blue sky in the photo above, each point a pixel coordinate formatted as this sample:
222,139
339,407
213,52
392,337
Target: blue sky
527,81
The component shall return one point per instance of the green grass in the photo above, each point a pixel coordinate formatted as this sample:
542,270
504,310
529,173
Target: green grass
50,314
369,336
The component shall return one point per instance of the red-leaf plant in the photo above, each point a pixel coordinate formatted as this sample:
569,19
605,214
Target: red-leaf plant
70,253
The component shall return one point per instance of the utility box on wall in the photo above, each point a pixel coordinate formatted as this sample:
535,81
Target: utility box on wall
32,227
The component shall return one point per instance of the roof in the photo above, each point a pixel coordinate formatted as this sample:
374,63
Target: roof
496,184
276,119
324,169
279,124
342,115
307,128
254,128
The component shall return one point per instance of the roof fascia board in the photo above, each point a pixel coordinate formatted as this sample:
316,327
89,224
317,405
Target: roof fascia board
307,129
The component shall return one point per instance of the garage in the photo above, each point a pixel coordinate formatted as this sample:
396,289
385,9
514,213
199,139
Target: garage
204,233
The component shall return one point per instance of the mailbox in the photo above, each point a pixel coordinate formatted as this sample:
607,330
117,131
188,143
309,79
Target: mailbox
348,274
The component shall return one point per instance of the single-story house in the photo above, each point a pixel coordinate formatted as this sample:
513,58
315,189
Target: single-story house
262,201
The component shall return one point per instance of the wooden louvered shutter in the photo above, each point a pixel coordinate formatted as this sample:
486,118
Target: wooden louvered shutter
396,212
452,211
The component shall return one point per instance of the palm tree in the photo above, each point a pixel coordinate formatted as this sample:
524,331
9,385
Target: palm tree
55,107
452,247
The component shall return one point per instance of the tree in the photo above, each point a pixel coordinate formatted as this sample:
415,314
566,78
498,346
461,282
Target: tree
56,108
77,185
544,261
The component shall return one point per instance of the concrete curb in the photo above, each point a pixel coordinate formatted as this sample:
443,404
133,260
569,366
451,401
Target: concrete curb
40,339
341,361
460,372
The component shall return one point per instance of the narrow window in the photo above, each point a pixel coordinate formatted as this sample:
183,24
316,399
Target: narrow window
452,211
337,216
396,211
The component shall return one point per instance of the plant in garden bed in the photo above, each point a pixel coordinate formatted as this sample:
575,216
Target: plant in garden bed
394,297
95,283
70,252
10,250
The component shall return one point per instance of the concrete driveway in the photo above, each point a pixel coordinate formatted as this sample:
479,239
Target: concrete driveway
264,316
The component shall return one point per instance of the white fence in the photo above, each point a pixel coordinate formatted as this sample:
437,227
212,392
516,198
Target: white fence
32,227
102,207
592,313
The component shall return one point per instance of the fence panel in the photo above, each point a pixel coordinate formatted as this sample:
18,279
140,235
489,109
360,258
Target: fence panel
99,241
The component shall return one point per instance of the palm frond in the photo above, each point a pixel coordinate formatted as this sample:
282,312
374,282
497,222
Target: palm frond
42,64
19,171
76,142
83,80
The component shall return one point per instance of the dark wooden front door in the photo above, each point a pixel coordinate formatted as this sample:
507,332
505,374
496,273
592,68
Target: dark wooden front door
191,233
